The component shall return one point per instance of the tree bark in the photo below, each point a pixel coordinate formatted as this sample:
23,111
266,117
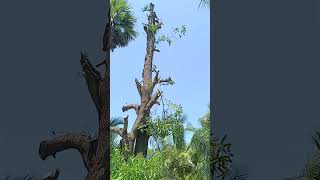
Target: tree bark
94,151
138,138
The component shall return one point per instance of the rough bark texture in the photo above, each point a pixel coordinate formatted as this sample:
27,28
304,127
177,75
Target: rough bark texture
94,151
137,140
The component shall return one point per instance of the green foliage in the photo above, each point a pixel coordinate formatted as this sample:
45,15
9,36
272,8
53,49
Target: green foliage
136,167
170,124
178,32
172,159
123,24
153,28
221,156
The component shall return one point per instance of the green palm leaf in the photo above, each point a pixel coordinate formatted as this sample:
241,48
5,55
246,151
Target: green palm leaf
115,121
123,23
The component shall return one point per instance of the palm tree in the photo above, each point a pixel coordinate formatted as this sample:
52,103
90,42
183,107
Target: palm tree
122,26
123,23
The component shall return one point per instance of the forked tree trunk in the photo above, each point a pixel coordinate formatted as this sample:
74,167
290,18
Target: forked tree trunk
94,151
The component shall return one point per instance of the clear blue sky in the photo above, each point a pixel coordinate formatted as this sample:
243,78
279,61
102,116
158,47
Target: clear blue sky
186,61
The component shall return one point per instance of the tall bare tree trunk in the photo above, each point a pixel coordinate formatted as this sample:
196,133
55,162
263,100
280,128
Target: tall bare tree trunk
138,138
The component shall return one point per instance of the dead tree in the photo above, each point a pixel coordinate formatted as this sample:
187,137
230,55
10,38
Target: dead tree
137,140
94,150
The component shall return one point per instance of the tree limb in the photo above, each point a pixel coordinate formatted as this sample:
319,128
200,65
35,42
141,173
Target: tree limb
125,124
153,100
157,80
68,141
121,131
117,130
138,86
130,106
93,81
168,80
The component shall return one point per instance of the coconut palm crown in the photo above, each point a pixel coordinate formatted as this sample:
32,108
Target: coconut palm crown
123,24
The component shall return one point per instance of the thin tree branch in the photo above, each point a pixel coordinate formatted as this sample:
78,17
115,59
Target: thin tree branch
153,100
102,63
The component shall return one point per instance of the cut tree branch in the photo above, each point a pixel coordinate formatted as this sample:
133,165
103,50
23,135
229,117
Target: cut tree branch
93,81
68,141
168,80
157,80
125,123
153,100
117,130
121,131
130,106
138,86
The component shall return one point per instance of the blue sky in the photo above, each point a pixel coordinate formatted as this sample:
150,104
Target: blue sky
186,61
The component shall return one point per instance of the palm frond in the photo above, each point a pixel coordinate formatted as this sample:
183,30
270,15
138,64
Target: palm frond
178,133
312,170
316,139
123,28
115,121
26,177
237,172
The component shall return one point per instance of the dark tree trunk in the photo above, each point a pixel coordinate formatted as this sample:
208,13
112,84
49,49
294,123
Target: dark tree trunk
94,151
142,143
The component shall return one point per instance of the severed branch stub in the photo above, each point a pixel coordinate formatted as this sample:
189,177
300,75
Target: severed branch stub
68,141
130,106
122,131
